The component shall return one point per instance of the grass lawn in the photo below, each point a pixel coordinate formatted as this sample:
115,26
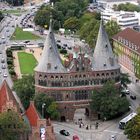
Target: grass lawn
19,34
27,62
13,11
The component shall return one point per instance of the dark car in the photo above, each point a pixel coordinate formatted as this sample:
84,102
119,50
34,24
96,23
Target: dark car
133,97
64,132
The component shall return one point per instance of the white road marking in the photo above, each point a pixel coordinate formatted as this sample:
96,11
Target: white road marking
114,132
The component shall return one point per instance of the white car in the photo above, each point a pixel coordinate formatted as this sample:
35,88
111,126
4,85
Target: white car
5,75
113,137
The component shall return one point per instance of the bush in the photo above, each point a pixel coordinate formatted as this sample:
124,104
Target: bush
63,51
58,46
12,72
9,53
10,62
10,67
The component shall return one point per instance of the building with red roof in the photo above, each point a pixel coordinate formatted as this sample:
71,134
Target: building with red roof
42,129
126,46
7,99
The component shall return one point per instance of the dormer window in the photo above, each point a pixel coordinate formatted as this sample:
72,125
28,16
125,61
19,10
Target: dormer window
106,46
55,67
49,65
104,64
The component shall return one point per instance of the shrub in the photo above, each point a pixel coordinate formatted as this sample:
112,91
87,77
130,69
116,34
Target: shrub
12,72
63,51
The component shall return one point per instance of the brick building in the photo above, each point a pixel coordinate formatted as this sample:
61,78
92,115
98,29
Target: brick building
39,128
127,47
72,87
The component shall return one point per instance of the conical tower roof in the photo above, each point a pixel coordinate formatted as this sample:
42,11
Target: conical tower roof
50,61
103,57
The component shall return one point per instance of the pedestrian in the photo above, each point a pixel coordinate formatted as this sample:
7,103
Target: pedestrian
96,125
90,126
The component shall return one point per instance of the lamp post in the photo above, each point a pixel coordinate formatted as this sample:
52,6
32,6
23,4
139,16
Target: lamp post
43,106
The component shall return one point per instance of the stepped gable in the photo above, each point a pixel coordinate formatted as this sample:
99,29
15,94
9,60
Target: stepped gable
32,114
6,96
50,61
103,57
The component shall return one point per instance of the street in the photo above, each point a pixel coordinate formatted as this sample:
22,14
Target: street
106,129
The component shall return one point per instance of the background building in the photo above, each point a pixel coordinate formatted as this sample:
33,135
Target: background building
72,87
127,47
123,19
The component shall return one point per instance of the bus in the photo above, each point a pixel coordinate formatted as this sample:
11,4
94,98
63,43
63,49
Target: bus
125,120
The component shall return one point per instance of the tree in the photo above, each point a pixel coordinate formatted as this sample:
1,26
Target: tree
11,126
124,78
128,7
108,103
1,16
89,31
50,109
132,129
112,28
71,23
25,89
62,10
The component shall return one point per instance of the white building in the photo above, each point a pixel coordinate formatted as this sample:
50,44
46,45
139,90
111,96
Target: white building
124,19
109,3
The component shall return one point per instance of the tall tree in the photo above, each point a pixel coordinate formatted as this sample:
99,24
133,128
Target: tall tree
11,126
50,108
112,28
132,129
124,78
25,89
108,103
72,23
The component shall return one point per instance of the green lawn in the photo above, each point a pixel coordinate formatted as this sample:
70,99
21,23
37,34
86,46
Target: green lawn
13,11
27,62
19,34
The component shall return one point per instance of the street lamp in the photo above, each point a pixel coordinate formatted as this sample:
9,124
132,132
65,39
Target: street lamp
43,106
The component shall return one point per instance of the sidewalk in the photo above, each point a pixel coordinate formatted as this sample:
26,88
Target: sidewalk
91,126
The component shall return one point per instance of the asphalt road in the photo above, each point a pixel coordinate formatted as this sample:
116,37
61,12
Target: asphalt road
8,27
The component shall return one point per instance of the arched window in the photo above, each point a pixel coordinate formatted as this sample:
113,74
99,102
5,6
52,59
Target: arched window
52,76
107,74
112,73
103,74
98,74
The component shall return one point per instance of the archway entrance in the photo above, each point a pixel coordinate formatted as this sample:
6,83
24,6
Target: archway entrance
81,114
63,118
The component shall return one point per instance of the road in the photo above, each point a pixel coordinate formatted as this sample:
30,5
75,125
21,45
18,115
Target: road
105,129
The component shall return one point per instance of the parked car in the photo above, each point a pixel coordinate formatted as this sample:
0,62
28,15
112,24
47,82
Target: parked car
3,66
133,97
113,137
5,74
2,60
64,132
125,91
75,137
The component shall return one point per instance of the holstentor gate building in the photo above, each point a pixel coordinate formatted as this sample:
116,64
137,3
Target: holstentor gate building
72,87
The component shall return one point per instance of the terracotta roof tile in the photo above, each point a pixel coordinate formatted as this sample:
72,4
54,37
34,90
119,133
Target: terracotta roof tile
6,95
131,36
32,114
